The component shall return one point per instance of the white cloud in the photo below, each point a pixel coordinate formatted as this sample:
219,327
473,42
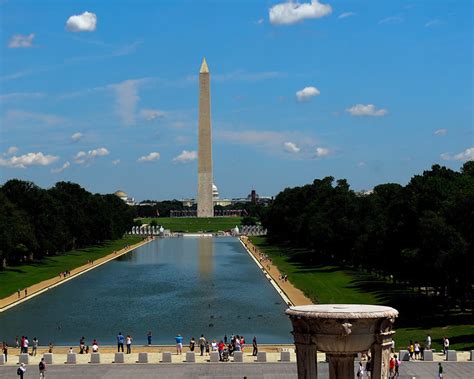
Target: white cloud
391,20
77,136
432,22
15,75
321,152
366,110
252,137
30,159
21,96
11,150
307,93
86,22
346,15
260,21
151,114
291,147
185,157
293,12
441,132
149,158
127,99
84,158
60,169
48,119
115,162
269,141
264,139
466,155
18,41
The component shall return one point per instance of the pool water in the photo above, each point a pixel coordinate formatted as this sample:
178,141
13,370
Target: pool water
188,285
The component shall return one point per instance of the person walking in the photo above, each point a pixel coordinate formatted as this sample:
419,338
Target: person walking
21,370
391,368
148,336
360,371
446,345
129,344
397,367
417,350
179,344
26,344
440,371
42,368
82,344
255,346
192,344
368,368
120,341
35,346
202,344
5,351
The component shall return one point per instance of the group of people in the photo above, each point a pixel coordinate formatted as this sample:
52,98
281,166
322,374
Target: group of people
23,344
283,278
225,347
265,260
64,274
128,341
19,292
41,366
416,350
365,370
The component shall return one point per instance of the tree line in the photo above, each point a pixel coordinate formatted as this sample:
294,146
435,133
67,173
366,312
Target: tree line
36,222
420,234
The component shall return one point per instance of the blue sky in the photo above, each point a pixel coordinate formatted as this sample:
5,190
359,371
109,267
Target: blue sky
105,93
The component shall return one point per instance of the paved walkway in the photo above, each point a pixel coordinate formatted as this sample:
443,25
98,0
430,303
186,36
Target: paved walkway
410,370
38,288
296,296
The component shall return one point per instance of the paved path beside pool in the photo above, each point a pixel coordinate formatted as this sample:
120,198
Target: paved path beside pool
39,288
295,295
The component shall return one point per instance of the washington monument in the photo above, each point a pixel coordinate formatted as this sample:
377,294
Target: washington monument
205,206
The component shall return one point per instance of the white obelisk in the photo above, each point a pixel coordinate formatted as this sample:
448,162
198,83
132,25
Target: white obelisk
205,206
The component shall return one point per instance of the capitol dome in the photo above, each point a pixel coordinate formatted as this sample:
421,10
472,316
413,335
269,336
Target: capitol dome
120,194
215,192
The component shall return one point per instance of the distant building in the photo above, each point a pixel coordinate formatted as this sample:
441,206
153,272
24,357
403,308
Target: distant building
253,198
122,195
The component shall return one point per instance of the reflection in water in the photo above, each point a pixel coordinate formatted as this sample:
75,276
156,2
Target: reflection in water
205,257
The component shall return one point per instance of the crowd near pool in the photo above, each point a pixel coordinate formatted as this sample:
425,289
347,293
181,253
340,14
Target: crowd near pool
186,285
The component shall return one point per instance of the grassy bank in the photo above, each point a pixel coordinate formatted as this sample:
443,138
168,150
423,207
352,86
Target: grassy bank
26,275
332,284
194,224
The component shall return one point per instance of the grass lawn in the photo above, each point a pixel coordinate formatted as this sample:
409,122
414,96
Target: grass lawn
331,284
194,224
26,275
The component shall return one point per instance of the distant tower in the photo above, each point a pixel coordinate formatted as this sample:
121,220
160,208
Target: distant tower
205,206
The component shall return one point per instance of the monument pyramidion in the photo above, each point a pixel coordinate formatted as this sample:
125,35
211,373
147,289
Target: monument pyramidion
205,205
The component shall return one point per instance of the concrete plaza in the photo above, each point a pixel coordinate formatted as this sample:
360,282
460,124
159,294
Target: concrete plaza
409,370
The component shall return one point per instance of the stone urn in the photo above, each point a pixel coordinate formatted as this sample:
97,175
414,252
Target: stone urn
341,331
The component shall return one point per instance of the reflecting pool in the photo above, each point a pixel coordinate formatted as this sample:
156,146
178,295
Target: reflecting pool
189,285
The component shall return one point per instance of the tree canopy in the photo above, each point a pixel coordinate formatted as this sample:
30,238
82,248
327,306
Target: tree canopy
36,222
420,234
